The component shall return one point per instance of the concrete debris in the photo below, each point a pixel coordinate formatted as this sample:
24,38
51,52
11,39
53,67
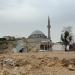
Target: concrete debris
20,47
70,67
9,62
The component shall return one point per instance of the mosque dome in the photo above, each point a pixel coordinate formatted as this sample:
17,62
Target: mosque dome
37,34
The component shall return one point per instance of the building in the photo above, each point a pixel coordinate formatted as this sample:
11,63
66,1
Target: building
39,41
9,38
58,47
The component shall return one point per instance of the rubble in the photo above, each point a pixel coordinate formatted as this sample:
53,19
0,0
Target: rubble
9,62
35,64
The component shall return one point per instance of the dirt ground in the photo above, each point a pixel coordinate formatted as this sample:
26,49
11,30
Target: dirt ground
40,63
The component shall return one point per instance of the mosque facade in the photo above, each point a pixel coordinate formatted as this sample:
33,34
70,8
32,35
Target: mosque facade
39,41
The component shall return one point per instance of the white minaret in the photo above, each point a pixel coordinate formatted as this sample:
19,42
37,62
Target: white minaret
49,27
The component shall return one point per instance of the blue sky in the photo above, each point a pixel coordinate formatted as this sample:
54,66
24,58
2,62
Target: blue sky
21,17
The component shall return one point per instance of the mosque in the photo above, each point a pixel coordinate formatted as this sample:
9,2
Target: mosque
39,41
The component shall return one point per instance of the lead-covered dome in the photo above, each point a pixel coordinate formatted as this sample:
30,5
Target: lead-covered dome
37,34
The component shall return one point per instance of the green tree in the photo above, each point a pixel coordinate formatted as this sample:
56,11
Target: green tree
66,37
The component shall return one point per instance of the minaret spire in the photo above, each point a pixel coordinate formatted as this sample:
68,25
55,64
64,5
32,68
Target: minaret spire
49,27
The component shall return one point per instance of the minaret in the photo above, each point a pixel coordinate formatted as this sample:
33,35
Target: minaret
49,27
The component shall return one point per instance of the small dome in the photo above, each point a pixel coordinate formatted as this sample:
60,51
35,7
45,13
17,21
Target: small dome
37,34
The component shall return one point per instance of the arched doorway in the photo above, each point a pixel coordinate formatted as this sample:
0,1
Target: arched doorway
45,46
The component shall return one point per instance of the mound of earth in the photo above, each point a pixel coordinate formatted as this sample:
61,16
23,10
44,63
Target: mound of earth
40,63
